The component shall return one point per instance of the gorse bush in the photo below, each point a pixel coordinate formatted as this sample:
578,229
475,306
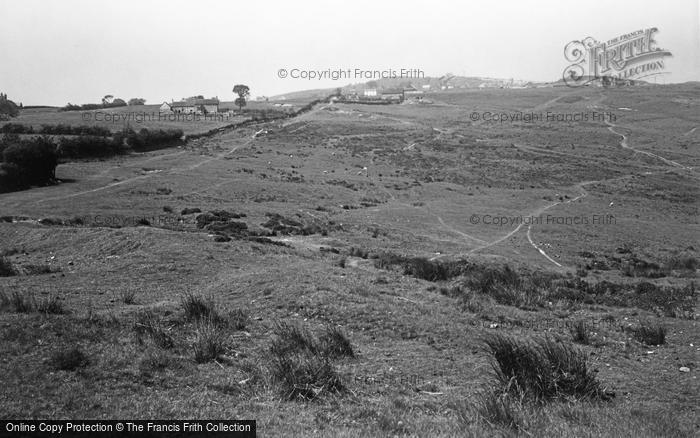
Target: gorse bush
35,161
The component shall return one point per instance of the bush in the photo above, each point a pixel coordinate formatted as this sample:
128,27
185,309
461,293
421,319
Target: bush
650,333
69,360
542,369
88,147
36,160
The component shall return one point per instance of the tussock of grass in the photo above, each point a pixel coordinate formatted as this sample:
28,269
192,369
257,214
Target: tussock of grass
155,360
650,333
22,303
69,360
305,376
209,341
147,324
543,368
128,296
334,343
197,307
580,332
51,305
6,268
502,410
301,363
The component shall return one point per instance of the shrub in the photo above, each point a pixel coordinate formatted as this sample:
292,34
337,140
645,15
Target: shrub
542,369
209,342
36,159
650,333
69,360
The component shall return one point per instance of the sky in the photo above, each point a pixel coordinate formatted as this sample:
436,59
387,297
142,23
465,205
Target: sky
55,52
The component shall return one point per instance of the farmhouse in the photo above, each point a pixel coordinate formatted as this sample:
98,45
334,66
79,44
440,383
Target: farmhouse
370,92
392,94
411,92
165,107
195,106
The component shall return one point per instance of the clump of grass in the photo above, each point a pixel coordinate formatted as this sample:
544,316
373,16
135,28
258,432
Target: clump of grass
22,303
209,341
149,325
301,364
40,269
155,360
197,307
69,360
6,268
128,296
580,332
305,376
543,368
51,305
501,409
335,344
650,333
238,319
289,337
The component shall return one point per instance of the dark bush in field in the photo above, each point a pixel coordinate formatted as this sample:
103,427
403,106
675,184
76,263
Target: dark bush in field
36,160
68,360
420,267
543,368
145,140
6,268
197,307
650,333
88,147
333,343
59,129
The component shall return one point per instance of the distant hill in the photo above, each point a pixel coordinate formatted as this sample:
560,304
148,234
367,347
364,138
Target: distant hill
428,84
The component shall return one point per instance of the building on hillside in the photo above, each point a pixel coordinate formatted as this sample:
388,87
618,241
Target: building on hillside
370,92
411,92
392,95
196,106
165,108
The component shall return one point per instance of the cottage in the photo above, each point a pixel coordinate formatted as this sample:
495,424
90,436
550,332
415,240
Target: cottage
370,92
165,108
411,92
196,106
392,95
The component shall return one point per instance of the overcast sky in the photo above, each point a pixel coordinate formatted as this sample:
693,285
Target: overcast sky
54,52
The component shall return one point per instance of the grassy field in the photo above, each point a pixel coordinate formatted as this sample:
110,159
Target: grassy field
344,275
140,116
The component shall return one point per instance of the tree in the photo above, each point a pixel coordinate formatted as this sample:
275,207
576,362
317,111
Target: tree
107,99
7,107
243,91
36,159
137,101
118,102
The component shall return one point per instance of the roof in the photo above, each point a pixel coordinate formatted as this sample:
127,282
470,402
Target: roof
392,91
195,102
